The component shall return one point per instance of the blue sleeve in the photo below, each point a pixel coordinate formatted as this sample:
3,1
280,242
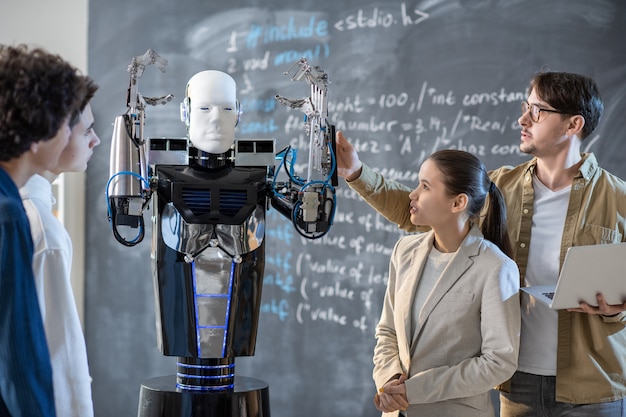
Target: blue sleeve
25,369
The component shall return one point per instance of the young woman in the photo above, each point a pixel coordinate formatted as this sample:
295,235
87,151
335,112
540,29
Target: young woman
449,328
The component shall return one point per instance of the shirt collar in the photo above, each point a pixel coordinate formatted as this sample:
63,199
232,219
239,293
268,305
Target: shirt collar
588,167
7,185
39,188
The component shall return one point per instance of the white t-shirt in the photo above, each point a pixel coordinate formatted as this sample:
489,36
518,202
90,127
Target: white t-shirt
435,265
538,341
51,266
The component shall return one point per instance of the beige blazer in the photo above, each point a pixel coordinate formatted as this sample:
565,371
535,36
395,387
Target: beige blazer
467,337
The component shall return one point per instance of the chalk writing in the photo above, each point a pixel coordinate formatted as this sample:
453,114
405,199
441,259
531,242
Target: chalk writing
360,20
284,284
347,104
376,18
255,127
291,30
340,278
279,308
312,54
264,105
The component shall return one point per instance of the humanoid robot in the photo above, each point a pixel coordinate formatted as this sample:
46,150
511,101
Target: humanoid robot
210,193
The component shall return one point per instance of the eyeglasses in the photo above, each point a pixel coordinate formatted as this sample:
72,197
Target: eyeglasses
535,111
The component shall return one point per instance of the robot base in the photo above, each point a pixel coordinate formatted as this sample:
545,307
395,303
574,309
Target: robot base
159,397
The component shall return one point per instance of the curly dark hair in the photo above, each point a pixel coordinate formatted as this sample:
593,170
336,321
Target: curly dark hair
38,91
87,92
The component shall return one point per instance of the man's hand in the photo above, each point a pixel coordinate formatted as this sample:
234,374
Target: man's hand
602,308
348,163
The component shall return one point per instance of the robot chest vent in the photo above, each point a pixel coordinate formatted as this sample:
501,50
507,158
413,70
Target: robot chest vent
226,202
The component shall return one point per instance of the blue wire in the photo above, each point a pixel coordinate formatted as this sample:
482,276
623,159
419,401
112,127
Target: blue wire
133,174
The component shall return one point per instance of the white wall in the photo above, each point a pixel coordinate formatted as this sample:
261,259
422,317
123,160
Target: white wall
60,26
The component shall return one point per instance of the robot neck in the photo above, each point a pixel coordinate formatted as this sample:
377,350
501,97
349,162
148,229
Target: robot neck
205,160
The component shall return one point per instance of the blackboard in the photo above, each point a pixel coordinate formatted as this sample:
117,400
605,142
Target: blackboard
407,78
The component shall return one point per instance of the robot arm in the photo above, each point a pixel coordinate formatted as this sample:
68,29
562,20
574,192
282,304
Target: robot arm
309,202
128,190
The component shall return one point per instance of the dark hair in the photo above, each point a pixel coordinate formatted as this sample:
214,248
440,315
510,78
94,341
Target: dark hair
571,93
89,90
38,91
464,173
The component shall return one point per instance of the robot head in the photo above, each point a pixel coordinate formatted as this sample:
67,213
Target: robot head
211,111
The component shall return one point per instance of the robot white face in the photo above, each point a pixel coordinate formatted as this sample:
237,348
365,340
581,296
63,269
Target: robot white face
211,111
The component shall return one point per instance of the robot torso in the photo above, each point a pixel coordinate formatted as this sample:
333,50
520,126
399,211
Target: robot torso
208,259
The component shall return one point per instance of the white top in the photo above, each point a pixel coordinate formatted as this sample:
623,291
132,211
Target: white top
51,266
436,263
538,341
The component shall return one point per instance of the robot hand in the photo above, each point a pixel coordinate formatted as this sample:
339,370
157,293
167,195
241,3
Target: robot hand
315,107
310,202
128,190
309,205
136,68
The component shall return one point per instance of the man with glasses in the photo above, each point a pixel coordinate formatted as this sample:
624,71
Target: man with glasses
572,362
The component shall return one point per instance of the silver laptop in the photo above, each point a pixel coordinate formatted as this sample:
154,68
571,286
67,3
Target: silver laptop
587,270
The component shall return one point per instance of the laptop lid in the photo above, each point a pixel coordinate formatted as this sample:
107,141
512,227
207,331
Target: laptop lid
586,271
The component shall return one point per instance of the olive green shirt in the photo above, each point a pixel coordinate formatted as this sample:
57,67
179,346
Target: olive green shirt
591,352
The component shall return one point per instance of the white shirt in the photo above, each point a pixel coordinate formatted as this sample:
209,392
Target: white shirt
538,341
51,266
435,265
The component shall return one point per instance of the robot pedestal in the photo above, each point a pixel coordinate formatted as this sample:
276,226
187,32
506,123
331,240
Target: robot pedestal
159,397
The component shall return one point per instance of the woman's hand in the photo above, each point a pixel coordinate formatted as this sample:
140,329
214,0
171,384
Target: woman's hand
392,396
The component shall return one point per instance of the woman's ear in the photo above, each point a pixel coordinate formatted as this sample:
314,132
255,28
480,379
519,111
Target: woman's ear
459,203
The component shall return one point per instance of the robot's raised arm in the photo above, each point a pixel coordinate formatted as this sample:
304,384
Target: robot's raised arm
309,202
128,189
315,109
